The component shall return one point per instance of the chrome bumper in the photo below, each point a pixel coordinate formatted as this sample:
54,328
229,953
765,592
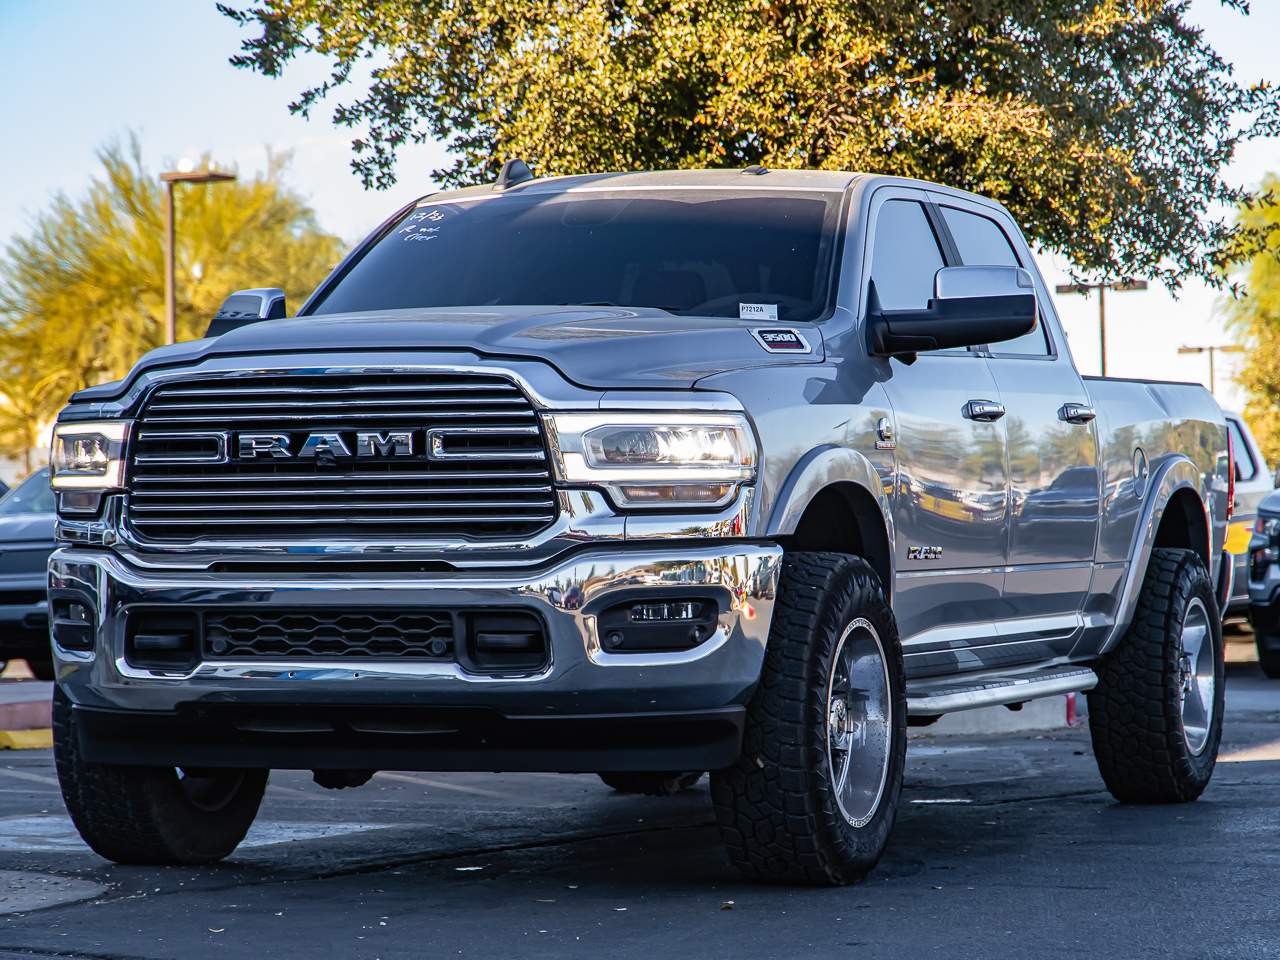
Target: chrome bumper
580,677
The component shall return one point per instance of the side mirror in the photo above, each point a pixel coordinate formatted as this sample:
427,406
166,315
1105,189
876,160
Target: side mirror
970,306
245,307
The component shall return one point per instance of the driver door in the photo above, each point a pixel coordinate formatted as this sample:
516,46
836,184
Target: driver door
950,504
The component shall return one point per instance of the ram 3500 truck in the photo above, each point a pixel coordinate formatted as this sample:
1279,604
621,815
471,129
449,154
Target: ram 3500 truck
642,475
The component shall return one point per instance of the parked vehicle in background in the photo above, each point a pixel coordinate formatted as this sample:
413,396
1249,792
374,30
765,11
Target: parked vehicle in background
1264,584
1253,482
643,475
26,540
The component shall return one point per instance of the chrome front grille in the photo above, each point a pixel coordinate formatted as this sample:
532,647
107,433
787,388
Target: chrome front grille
400,456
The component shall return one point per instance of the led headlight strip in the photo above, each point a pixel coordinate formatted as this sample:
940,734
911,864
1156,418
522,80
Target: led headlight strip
88,456
655,460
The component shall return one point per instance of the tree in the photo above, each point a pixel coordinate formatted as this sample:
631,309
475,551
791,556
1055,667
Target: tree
1102,124
82,294
1256,318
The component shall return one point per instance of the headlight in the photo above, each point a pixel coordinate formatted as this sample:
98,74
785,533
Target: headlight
88,456
655,460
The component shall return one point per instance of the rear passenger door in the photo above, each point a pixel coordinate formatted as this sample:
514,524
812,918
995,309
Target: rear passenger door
950,496
1052,451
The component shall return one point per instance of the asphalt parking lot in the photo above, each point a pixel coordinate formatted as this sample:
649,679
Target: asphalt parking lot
1007,846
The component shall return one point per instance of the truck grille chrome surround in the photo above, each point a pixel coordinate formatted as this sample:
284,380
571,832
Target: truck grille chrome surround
390,455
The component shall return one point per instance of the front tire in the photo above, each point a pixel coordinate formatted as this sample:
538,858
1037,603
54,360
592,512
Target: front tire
42,669
1156,714
1268,660
813,797
155,816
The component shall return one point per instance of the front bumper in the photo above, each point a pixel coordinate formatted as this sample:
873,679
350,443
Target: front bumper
585,709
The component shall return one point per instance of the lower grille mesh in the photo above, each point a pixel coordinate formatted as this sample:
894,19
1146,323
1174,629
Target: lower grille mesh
375,635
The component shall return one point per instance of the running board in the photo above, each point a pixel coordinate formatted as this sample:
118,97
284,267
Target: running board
938,696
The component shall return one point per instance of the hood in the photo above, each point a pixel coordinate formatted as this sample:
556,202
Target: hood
26,528
605,348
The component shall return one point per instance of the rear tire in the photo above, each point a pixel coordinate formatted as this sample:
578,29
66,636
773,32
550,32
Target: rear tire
41,669
651,784
1156,714
813,797
1268,660
152,816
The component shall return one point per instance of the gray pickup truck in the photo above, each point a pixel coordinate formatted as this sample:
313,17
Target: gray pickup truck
642,475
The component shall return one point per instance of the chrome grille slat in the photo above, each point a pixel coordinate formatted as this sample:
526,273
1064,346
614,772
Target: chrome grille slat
343,520
334,492
327,417
508,494
346,405
354,475
419,388
350,505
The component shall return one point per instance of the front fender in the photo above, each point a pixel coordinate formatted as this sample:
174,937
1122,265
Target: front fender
824,467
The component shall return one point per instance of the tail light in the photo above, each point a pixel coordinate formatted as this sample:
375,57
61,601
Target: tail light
1231,476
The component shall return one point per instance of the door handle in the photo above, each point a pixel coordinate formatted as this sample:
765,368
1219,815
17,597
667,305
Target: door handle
1076,413
985,411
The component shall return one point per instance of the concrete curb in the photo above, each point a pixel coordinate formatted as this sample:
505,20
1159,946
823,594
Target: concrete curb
25,715
31,715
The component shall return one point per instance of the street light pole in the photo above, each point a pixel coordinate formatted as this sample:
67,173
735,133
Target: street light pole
169,178
1102,288
1211,349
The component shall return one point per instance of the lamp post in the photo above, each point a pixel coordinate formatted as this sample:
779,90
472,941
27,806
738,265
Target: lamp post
169,178
1102,288
1211,349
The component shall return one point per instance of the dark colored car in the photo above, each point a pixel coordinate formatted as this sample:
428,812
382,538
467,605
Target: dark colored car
26,540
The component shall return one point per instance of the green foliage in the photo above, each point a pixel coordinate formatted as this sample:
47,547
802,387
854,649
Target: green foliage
1256,318
1102,124
82,294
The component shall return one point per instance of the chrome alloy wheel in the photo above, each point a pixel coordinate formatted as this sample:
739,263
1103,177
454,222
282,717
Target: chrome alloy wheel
859,722
1197,675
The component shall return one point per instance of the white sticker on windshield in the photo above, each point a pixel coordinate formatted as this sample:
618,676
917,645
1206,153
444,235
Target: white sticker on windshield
757,311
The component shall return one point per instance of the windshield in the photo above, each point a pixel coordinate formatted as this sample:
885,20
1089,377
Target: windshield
694,252
33,495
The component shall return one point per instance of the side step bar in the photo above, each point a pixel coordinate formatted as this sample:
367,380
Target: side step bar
936,697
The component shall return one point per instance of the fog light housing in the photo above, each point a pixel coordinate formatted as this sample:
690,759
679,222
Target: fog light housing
655,626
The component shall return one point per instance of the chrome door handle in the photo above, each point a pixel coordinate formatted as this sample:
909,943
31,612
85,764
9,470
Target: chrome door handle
983,410
1076,413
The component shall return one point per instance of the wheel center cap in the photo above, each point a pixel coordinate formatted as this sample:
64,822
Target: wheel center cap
839,718
1187,673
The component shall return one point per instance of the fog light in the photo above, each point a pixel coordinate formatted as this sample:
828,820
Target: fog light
665,612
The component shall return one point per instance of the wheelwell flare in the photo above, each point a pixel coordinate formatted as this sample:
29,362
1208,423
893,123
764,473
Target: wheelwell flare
1183,525
845,518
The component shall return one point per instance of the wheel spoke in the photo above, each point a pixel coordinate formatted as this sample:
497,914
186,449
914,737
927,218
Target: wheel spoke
1197,675
858,717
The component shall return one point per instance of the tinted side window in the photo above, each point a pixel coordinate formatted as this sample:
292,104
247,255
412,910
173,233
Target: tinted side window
982,243
905,256
1244,456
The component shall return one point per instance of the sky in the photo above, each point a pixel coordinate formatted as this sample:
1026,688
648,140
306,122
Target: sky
76,73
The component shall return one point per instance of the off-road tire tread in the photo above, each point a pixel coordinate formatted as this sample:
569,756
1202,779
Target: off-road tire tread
772,822
128,814
1134,712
